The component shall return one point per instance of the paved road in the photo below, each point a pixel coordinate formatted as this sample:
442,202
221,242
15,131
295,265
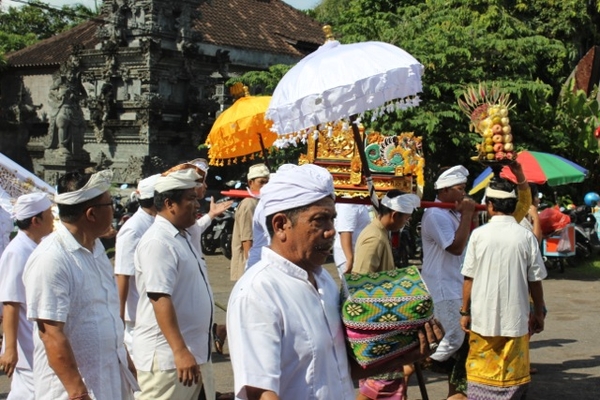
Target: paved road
567,353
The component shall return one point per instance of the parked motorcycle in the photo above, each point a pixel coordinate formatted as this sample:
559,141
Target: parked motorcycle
220,232
587,242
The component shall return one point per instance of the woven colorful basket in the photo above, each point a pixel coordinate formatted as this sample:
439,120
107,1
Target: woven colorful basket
397,299
382,312
373,347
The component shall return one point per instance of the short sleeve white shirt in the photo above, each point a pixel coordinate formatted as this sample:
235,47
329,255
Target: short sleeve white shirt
65,282
195,231
165,262
6,227
127,240
260,235
12,264
502,257
350,218
441,269
285,335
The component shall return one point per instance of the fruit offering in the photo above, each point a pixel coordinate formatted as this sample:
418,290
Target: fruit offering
488,110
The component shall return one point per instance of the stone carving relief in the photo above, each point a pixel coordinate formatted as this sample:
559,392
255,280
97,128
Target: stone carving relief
67,123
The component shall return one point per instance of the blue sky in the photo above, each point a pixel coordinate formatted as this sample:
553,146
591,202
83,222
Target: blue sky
299,4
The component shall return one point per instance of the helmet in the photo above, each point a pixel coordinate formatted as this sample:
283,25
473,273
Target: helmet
591,199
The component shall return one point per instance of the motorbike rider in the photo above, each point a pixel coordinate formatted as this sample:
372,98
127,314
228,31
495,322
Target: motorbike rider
258,176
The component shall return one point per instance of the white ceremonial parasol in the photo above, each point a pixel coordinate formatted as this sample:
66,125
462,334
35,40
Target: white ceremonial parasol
342,81
16,181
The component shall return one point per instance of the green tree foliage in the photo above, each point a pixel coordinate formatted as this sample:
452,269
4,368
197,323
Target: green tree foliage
23,26
262,82
527,47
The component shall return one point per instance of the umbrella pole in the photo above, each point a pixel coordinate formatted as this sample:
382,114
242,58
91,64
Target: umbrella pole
264,151
358,140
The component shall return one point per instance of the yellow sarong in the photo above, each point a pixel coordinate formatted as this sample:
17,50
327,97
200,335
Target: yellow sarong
498,361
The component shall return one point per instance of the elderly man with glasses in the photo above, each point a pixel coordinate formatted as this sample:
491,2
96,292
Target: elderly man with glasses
72,297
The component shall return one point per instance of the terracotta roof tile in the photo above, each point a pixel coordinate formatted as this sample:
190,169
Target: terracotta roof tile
55,50
264,25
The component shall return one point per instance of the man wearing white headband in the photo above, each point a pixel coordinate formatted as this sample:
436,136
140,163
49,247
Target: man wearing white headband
242,237
445,233
35,220
502,267
285,333
373,253
172,340
72,296
127,240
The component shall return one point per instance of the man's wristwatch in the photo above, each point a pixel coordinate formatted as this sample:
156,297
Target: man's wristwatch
465,313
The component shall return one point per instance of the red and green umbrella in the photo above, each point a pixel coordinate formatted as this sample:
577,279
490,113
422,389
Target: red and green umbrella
538,168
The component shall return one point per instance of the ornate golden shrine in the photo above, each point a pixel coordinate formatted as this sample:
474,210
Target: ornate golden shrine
395,162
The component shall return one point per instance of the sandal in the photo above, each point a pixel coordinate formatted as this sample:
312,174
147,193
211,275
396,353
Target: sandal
217,340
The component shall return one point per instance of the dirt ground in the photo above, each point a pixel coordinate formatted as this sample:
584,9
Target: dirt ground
567,353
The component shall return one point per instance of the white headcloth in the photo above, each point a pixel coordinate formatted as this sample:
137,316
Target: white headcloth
98,184
499,194
258,171
31,204
182,179
452,176
296,187
405,203
145,187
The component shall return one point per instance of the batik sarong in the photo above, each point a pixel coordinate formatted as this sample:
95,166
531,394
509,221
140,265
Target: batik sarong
497,367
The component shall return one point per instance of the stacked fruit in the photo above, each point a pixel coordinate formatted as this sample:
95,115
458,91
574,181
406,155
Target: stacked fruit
497,141
488,110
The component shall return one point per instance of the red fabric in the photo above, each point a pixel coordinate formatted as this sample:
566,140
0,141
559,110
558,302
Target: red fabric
552,220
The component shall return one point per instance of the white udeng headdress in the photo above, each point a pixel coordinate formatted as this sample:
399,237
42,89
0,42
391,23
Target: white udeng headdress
145,187
180,179
452,176
499,194
296,187
98,184
30,204
405,203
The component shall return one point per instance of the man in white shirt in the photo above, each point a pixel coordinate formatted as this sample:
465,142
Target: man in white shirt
285,331
350,221
502,266
72,297
445,233
241,241
127,240
35,221
175,311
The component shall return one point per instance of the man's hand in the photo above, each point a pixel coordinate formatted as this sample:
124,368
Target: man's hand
430,337
8,361
188,371
536,322
110,233
516,168
465,323
217,209
466,206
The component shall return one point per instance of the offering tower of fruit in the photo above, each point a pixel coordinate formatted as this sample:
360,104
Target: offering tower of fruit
488,110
